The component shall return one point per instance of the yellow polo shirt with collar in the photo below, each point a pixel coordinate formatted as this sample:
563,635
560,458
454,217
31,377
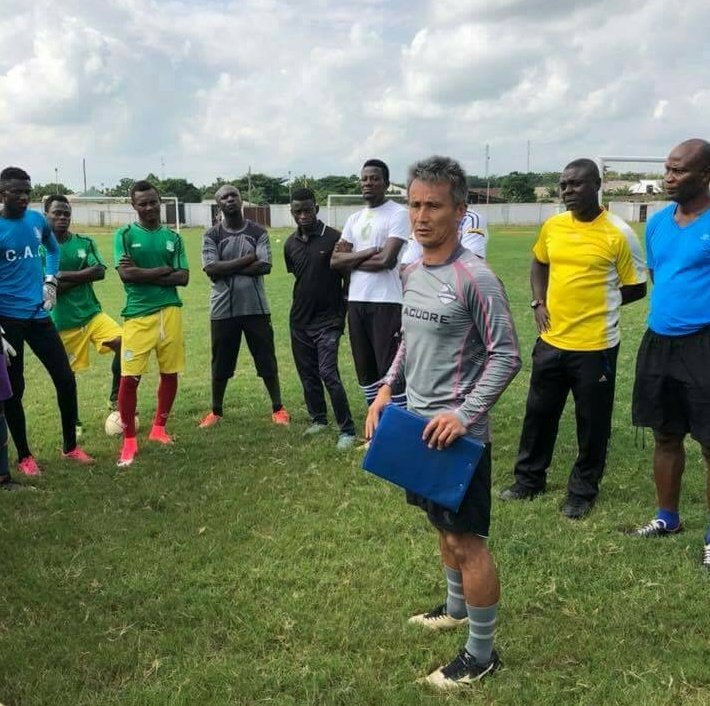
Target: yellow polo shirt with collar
588,263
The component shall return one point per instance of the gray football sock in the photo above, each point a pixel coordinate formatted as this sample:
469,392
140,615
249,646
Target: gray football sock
481,628
455,601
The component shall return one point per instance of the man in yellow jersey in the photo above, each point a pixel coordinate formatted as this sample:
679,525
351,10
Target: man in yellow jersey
587,263
78,315
151,263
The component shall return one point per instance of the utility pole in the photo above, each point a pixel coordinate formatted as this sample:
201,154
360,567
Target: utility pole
56,180
249,185
528,156
83,169
289,186
488,178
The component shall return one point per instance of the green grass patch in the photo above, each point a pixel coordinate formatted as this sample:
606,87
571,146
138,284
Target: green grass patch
248,564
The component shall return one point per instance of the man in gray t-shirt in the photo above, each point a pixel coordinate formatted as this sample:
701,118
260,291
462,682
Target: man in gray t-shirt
236,255
458,353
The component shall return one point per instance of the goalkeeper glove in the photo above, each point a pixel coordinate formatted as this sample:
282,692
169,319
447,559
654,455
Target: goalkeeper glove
49,293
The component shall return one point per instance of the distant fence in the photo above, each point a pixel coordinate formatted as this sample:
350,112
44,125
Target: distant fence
113,214
635,212
496,214
518,214
202,215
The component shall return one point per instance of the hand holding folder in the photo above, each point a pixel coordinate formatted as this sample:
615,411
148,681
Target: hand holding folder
398,454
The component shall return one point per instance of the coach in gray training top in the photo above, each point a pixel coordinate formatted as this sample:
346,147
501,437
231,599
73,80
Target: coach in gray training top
459,351
236,255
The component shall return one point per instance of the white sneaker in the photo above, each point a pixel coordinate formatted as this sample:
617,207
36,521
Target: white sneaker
345,442
315,428
463,670
438,619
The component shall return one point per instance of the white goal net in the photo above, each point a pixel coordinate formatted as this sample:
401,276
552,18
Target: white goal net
640,193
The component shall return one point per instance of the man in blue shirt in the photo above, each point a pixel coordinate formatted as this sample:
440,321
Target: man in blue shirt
672,387
26,296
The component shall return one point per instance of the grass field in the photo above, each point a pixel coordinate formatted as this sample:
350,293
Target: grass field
249,565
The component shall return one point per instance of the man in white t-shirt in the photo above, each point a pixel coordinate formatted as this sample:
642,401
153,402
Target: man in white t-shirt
370,251
473,235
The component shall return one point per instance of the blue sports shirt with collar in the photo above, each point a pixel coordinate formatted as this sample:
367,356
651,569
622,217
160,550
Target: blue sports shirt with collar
21,266
679,258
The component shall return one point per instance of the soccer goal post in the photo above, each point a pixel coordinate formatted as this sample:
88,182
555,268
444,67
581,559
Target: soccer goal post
602,162
103,211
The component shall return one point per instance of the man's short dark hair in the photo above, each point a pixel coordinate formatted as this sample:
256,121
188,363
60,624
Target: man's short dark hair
438,169
704,154
589,165
51,199
143,185
382,166
303,194
14,173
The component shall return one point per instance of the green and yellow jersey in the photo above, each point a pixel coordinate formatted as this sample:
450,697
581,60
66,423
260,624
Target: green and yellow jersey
148,249
78,305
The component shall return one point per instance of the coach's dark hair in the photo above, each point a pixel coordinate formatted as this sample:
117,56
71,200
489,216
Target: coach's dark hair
51,199
440,169
589,165
303,194
143,185
14,173
383,167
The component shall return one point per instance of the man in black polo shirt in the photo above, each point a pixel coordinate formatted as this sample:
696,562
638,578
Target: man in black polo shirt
317,316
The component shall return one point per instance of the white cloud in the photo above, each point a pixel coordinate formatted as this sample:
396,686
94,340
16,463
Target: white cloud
660,109
214,87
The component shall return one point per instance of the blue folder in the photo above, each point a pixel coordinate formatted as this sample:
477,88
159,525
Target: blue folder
398,454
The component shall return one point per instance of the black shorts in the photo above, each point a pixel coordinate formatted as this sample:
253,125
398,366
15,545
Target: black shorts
374,336
474,515
672,385
227,339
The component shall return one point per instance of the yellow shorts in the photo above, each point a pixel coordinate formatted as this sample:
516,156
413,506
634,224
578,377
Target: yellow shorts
161,332
96,331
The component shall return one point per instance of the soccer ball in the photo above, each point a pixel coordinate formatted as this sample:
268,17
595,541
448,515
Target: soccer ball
113,426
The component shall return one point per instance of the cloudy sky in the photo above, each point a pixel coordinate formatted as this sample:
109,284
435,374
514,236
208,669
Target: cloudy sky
207,88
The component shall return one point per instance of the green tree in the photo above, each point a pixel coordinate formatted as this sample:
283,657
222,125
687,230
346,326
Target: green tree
548,179
518,188
153,180
263,189
481,182
39,191
334,185
257,188
183,189
210,190
123,188
252,194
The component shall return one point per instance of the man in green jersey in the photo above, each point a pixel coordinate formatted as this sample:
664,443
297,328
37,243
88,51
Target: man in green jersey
78,315
151,262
